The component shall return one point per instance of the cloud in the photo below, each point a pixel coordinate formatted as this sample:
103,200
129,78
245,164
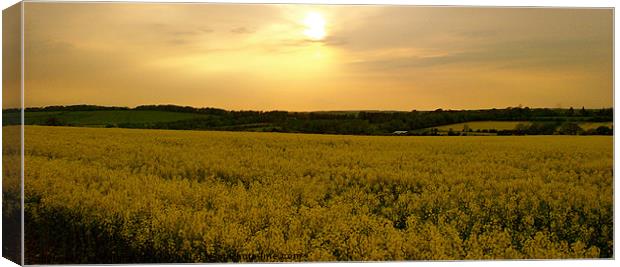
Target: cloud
206,30
527,54
478,34
241,30
185,33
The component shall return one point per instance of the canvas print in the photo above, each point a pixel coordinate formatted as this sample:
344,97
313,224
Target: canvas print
201,133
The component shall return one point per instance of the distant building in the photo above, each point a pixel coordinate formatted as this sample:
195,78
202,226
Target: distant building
400,132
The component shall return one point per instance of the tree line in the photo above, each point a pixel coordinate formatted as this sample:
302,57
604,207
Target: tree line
534,128
349,122
369,122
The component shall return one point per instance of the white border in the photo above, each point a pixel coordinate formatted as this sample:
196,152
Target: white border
503,3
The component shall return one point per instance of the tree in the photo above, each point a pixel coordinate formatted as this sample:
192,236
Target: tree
466,128
542,128
521,128
604,130
570,128
53,121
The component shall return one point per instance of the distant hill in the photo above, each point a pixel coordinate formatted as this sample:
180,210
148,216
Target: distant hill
329,122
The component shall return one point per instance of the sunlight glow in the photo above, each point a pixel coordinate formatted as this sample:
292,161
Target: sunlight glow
315,26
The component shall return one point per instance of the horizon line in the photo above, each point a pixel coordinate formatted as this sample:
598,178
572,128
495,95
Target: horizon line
326,110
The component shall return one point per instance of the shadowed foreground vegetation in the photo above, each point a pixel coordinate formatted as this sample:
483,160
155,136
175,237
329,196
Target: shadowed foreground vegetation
123,196
11,193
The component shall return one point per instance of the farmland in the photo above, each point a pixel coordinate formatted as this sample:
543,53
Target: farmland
482,125
543,121
485,126
97,195
11,193
99,118
593,125
509,125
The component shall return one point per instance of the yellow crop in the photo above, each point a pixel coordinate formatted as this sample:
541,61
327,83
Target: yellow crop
11,193
120,195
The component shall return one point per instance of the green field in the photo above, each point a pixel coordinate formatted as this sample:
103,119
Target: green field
321,122
508,125
103,117
594,125
482,125
129,195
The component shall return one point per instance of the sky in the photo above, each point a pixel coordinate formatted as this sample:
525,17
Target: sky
316,57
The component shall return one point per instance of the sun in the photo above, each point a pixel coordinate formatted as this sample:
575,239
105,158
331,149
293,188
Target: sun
315,26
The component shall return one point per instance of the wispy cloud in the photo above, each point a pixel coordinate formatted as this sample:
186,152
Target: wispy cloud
241,30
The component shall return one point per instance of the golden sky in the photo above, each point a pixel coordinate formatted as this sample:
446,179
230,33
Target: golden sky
316,57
